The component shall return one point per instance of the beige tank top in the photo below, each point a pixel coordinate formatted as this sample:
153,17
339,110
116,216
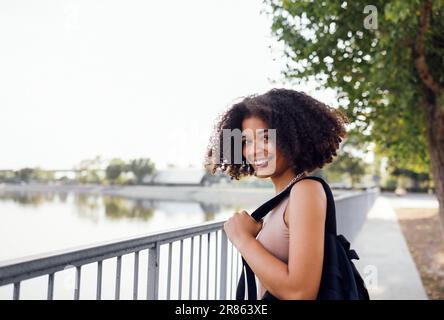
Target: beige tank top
274,236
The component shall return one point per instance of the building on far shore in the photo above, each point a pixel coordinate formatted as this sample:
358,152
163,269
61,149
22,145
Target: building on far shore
184,177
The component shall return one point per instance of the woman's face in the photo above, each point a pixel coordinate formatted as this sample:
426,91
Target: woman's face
260,151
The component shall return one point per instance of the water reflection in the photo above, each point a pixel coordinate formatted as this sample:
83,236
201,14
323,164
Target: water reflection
33,198
87,206
210,210
25,198
115,207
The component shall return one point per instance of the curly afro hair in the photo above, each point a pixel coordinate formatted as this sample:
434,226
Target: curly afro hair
308,132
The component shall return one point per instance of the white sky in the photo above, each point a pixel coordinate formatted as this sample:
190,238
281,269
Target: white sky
126,78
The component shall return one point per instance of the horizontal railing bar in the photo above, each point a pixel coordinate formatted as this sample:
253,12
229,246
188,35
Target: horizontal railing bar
188,235
34,266
355,194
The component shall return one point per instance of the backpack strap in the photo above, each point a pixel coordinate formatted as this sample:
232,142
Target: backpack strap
263,210
330,219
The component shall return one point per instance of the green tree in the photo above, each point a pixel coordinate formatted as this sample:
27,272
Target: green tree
43,175
346,163
88,170
386,64
140,168
115,169
25,174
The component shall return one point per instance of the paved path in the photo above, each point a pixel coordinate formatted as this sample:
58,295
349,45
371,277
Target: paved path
386,263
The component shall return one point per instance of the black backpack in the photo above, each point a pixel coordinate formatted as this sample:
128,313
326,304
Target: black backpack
340,280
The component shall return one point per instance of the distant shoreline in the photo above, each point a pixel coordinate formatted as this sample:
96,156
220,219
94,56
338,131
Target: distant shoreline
216,194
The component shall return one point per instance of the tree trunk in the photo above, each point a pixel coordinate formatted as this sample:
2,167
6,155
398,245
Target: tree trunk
435,135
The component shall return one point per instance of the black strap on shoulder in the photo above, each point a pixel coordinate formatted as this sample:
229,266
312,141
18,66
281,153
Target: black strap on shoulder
330,219
263,210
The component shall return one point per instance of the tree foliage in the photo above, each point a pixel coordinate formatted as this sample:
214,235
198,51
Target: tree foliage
347,164
141,167
372,70
115,169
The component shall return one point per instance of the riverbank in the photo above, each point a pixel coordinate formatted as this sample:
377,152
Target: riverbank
220,194
215,194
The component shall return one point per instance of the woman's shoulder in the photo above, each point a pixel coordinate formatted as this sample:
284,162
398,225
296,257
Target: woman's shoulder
309,183
308,189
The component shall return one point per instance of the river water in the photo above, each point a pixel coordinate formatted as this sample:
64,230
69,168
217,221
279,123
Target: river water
39,222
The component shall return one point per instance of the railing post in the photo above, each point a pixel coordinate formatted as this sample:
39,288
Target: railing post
99,280
118,276
180,269
231,271
16,293
191,269
170,248
216,264
208,263
200,267
153,272
136,275
77,283
223,266
50,294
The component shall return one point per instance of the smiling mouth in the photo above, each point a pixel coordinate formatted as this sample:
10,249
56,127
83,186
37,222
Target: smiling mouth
262,163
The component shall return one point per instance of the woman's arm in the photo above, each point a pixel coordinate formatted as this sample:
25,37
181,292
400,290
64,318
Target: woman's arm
299,279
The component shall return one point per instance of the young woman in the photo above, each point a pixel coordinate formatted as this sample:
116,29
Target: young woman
285,249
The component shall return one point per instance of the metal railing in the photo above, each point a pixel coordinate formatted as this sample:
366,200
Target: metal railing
223,261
